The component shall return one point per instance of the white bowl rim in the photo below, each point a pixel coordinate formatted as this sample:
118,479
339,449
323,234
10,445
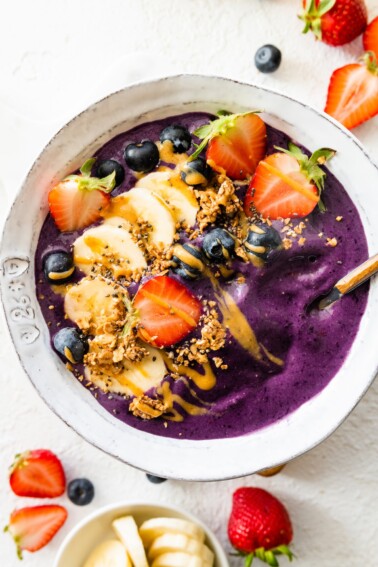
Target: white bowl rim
215,543
184,476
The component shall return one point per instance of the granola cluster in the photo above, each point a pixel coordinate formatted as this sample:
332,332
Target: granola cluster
215,202
148,408
197,350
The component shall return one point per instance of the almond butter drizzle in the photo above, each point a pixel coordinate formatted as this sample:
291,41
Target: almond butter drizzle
205,381
169,398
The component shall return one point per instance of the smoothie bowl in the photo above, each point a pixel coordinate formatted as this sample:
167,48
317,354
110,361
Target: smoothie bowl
164,314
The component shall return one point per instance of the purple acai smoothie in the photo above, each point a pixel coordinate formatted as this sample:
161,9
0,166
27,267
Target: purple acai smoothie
300,352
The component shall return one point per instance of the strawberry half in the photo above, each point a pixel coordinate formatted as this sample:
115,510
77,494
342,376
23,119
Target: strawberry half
259,526
167,311
335,22
236,143
370,37
37,474
287,184
77,201
32,528
353,92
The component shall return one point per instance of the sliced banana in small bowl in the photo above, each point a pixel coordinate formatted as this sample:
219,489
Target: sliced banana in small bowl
141,535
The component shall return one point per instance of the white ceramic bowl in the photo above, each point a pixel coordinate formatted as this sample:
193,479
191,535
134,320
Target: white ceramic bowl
96,528
174,458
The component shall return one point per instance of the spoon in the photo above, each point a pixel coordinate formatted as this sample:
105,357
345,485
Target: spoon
348,283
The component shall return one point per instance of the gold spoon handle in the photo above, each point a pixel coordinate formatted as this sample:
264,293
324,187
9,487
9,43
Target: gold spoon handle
358,276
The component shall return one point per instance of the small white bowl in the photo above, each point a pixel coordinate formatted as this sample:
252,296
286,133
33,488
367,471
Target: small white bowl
97,527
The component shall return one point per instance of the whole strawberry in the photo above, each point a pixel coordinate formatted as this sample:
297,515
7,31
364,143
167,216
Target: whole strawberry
335,22
259,526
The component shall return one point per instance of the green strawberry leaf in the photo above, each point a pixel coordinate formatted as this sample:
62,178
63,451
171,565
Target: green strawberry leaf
369,59
87,183
324,7
270,559
312,16
86,168
284,550
217,127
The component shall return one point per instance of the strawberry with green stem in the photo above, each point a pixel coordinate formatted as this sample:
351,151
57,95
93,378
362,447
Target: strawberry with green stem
334,22
77,200
259,526
235,143
288,183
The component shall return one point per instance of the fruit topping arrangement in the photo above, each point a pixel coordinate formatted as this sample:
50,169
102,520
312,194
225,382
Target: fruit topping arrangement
39,473
144,292
157,542
259,526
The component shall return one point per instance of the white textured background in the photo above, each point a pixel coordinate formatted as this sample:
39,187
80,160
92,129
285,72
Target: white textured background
55,58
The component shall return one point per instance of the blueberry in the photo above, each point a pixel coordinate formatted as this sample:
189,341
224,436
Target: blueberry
268,58
58,267
196,172
71,344
107,166
155,479
187,261
179,136
143,156
80,491
218,245
262,240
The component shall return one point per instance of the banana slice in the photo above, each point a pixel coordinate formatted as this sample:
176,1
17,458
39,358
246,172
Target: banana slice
96,305
155,527
130,378
119,222
141,205
108,554
127,531
175,193
178,559
110,247
170,543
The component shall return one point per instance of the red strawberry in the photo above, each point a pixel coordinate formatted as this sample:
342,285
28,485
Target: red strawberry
167,311
38,474
287,185
32,528
236,143
335,21
353,92
77,201
259,526
370,38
